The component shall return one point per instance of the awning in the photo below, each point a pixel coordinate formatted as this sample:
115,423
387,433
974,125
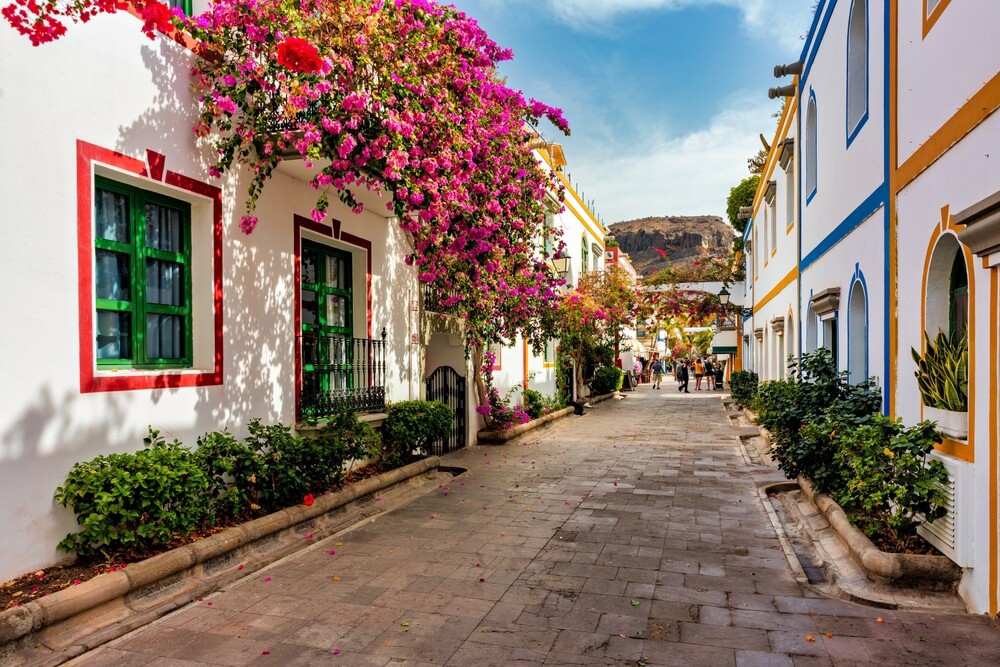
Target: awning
724,342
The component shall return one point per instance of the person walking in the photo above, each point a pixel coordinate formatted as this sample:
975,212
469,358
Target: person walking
699,373
682,377
657,370
709,375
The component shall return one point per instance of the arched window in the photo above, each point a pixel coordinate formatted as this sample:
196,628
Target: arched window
947,305
596,256
857,334
857,68
811,147
811,342
584,255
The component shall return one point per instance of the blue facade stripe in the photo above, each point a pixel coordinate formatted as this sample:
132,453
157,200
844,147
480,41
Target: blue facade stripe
818,38
887,220
870,205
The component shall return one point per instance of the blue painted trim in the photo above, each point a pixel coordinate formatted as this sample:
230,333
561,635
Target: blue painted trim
811,35
858,277
852,133
887,386
812,145
814,45
869,206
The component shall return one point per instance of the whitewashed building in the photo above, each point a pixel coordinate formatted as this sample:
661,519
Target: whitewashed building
898,212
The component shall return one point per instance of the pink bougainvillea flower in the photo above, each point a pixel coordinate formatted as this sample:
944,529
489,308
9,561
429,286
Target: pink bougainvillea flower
267,579
308,500
265,652
309,536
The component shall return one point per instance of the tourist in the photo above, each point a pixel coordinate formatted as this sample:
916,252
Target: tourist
699,373
682,377
657,370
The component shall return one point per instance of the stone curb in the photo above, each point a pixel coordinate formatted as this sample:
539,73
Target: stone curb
914,570
60,626
500,437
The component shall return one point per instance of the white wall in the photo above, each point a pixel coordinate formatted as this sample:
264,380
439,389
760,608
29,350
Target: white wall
107,84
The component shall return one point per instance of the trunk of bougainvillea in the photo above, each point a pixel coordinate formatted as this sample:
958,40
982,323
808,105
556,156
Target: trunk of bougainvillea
578,372
477,364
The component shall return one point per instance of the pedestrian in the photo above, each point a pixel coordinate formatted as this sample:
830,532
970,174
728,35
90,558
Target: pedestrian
709,374
682,377
657,369
699,373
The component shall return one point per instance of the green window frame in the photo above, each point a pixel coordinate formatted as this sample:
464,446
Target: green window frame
184,5
549,224
584,255
142,278
327,310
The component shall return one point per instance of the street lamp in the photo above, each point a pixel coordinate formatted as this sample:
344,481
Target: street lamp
724,300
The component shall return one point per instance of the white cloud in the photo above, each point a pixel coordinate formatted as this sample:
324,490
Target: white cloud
687,175
782,20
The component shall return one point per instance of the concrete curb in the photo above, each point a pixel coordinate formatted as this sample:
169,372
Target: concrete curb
935,572
500,437
57,627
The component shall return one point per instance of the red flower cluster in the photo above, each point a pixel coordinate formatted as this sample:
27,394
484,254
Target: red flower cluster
156,17
299,55
308,500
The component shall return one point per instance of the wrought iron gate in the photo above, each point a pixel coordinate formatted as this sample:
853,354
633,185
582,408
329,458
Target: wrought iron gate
447,386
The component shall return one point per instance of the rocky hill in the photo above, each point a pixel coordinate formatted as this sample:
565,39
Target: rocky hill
683,238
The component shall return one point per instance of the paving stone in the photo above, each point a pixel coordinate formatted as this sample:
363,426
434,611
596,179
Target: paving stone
677,564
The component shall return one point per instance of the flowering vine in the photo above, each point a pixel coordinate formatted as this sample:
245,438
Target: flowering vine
400,97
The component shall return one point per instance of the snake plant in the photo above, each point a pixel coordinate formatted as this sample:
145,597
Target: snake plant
943,372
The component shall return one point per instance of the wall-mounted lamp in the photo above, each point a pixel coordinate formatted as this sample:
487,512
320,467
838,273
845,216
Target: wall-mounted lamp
794,69
783,91
561,264
724,296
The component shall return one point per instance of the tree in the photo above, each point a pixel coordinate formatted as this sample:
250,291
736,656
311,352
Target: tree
739,196
594,314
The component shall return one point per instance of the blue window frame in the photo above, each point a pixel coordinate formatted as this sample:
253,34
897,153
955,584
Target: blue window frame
811,145
857,68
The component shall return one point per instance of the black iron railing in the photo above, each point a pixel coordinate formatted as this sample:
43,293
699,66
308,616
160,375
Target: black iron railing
341,373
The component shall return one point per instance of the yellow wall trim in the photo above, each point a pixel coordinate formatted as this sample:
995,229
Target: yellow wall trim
776,290
979,107
929,21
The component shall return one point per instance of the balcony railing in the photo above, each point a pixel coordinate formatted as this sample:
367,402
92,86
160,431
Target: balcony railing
341,373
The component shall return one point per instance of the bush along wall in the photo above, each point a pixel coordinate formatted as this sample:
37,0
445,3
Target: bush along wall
832,432
607,379
743,387
137,504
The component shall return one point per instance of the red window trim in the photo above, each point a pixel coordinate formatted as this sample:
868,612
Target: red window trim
87,155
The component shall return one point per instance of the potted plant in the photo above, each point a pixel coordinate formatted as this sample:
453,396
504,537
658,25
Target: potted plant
943,378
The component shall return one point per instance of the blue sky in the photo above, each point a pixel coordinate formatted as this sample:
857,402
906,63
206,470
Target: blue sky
665,98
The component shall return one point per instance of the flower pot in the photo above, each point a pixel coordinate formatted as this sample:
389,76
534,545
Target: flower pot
952,424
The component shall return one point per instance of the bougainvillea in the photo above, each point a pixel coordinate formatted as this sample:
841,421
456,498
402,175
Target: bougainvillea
399,97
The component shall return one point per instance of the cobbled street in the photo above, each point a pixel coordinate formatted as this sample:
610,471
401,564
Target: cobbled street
631,535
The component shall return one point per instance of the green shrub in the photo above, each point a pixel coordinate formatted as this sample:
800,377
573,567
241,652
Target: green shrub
743,386
135,502
607,379
233,471
888,478
804,412
410,426
536,404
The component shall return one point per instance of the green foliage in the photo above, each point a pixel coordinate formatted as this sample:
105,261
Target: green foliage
140,502
564,374
943,372
410,426
741,195
135,502
888,478
743,386
805,411
607,379
232,469
537,404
